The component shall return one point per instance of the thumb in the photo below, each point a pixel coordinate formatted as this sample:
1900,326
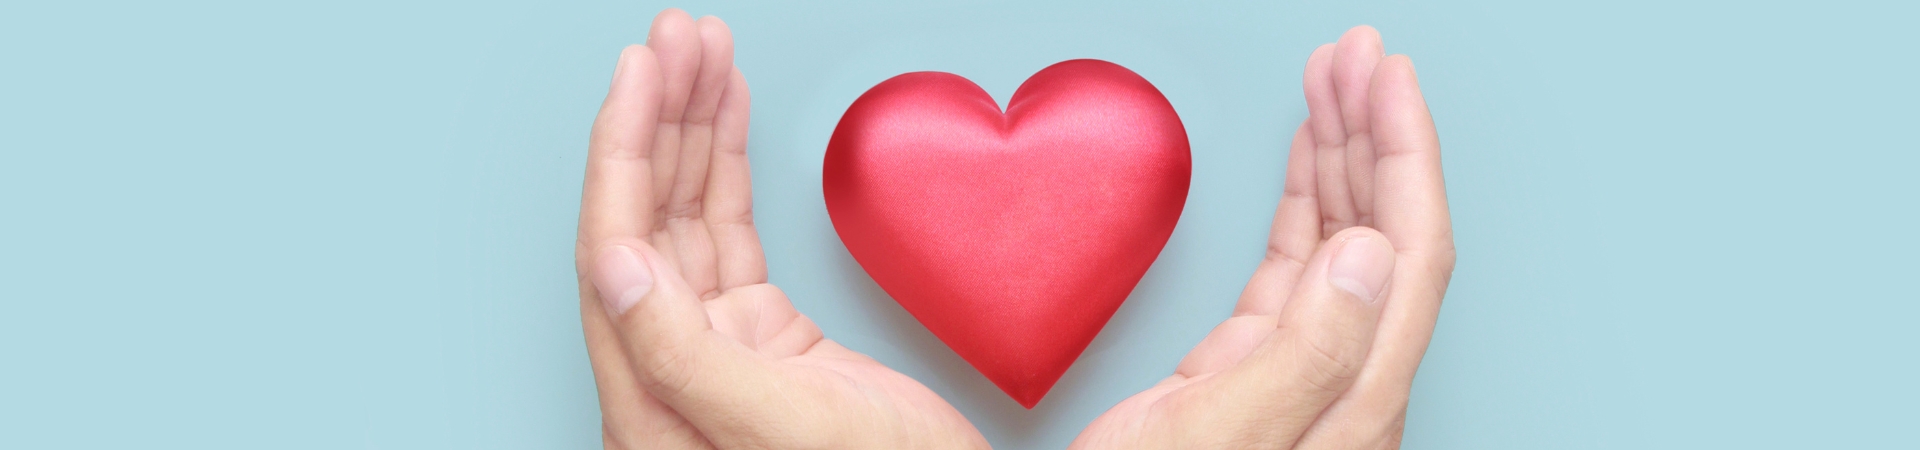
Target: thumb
1325,331
668,338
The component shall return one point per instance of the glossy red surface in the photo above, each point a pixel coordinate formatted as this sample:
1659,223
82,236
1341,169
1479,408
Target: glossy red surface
1013,237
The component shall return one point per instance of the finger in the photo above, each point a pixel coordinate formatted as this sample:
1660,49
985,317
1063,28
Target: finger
827,348
1354,58
1226,345
729,199
616,199
1412,197
616,203
693,248
1313,356
1413,210
675,39
1330,143
631,415
1295,234
675,352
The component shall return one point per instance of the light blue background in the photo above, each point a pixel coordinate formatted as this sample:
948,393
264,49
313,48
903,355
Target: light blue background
349,224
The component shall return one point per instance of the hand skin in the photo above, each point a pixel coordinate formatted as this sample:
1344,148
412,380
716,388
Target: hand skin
691,347
1323,344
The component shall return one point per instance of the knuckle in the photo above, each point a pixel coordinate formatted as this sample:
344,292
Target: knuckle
1277,254
1438,265
582,257
1297,191
613,146
741,219
669,369
688,207
1329,364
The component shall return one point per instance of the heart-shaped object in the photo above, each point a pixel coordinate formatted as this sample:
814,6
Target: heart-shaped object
1013,237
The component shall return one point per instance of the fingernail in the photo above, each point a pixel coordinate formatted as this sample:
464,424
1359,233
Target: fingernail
622,279
620,65
1362,267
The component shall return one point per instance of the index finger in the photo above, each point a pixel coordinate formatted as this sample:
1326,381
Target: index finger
616,200
1410,195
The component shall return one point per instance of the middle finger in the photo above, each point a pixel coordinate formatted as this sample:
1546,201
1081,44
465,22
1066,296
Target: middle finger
676,40
688,233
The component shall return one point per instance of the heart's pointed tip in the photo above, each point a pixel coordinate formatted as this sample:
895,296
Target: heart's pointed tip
1029,401
1028,396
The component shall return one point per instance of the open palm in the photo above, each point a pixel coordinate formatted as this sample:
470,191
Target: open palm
691,348
1298,366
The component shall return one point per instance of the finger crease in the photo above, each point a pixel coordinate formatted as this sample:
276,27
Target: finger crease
691,208
743,220
1277,254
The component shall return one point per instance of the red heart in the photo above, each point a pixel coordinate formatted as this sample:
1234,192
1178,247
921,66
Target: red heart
1013,237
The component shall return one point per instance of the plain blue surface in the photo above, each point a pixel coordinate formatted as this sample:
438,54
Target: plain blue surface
350,224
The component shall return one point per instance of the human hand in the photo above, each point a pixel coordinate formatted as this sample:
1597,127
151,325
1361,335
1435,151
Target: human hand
691,347
1322,347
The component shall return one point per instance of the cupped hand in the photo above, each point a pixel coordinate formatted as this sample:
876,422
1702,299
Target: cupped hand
691,347
1323,344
